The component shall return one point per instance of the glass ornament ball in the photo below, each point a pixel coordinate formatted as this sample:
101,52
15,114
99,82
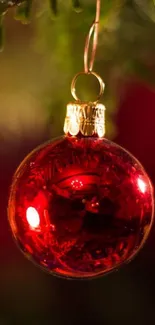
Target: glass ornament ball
80,207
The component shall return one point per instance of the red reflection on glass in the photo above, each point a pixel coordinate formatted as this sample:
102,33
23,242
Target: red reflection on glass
32,217
141,185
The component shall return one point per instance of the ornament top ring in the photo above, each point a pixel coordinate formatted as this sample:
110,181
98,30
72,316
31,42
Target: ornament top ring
73,84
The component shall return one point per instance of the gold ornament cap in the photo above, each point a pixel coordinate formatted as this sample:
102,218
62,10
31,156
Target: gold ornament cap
85,118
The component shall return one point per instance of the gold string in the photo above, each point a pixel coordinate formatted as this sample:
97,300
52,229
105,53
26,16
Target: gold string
94,30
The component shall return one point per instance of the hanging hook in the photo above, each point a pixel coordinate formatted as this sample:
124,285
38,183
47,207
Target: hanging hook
94,29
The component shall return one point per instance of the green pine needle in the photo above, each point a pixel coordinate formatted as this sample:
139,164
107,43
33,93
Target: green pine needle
54,6
23,12
77,5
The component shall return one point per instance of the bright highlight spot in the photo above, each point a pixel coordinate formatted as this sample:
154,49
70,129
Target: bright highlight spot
32,217
76,184
141,185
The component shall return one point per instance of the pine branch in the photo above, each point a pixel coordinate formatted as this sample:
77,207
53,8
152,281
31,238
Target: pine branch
6,4
54,6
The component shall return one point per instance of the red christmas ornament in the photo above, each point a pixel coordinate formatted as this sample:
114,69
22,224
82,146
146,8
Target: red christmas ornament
80,206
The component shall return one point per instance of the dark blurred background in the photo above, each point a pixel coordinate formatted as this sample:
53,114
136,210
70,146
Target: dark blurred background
36,68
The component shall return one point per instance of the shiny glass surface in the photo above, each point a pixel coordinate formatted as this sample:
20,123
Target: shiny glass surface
80,207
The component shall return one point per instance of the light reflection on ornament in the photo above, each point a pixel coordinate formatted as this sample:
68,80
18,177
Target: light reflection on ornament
32,217
52,227
141,185
76,184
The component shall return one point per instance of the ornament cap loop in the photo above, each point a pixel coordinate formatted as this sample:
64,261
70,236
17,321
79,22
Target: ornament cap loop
73,84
